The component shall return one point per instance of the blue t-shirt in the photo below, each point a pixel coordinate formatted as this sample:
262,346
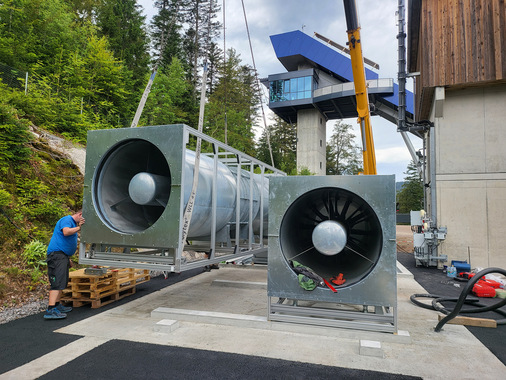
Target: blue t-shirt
60,242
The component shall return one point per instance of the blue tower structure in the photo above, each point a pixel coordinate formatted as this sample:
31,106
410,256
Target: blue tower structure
319,87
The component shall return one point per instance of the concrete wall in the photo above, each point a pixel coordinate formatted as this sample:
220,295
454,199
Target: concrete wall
311,140
325,79
470,166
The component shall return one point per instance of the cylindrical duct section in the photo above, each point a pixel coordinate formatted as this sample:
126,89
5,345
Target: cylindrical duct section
245,197
132,185
264,188
332,231
200,224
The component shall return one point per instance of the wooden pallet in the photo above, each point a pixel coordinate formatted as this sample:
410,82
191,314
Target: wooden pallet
100,290
130,277
101,301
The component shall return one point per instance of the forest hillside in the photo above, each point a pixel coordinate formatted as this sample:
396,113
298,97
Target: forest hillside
67,67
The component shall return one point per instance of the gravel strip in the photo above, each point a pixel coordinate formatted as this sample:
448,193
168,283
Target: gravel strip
28,308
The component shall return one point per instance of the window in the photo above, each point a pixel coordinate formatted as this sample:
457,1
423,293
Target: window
291,89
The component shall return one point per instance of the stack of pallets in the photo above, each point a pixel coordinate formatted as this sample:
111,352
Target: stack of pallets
102,289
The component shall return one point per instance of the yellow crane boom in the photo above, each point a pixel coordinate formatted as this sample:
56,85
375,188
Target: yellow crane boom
357,63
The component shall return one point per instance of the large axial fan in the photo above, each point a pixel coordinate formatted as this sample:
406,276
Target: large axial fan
332,230
333,225
131,186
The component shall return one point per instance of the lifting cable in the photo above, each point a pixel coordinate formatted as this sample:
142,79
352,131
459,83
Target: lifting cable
191,200
147,90
266,128
225,76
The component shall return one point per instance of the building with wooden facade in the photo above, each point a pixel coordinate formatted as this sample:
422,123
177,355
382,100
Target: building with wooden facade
458,47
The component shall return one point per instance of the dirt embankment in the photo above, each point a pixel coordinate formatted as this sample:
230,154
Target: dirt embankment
76,153
404,239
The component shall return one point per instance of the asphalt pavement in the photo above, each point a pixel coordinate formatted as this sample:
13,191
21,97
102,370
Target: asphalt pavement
211,331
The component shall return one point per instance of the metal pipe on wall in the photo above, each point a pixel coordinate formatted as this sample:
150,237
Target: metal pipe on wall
401,77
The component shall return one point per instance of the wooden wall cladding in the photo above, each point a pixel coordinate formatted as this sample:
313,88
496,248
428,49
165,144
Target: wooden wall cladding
461,42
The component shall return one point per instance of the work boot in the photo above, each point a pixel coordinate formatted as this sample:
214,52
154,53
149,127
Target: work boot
64,309
54,313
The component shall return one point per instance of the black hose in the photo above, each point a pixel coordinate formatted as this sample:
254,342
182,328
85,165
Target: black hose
437,298
414,297
480,309
467,289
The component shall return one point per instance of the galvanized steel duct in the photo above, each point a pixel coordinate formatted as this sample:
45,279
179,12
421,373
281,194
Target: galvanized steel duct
131,195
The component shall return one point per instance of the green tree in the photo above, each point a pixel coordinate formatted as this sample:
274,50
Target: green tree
166,103
168,24
283,139
343,156
410,197
203,28
14,133
235,94
75,82
215,60
123,24
87,91
84,10
35,31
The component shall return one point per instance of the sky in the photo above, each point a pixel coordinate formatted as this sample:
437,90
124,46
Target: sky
378,21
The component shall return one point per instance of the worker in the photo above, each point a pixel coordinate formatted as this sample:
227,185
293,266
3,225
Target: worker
62,246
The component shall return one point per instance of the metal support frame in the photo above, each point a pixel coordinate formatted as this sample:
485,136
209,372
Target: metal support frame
359,317
365,302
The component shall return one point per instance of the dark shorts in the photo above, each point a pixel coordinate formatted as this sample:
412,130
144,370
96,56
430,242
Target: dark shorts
58,265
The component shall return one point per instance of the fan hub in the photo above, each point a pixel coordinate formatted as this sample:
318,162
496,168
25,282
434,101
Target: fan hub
329,237
144,188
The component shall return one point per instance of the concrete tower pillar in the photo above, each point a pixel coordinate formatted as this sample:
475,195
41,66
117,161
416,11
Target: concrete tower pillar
311,141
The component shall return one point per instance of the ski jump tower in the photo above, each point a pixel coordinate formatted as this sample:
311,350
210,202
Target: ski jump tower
317,87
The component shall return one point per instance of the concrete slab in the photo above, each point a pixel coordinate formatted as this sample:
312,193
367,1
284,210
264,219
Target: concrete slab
201,307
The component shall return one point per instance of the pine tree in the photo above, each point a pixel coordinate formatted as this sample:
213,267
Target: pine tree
235,94
203,29
166,102
34,32
166,30
283,139
122,22
410,197
85,10
343,156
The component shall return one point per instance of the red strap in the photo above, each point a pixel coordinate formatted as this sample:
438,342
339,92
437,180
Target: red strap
330,286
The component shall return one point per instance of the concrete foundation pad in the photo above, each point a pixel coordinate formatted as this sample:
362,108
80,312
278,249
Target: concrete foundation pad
403,272
218,318
371,348
254,322
166,326
241,284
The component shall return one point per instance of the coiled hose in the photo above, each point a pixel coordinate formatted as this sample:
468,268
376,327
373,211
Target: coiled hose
463,299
